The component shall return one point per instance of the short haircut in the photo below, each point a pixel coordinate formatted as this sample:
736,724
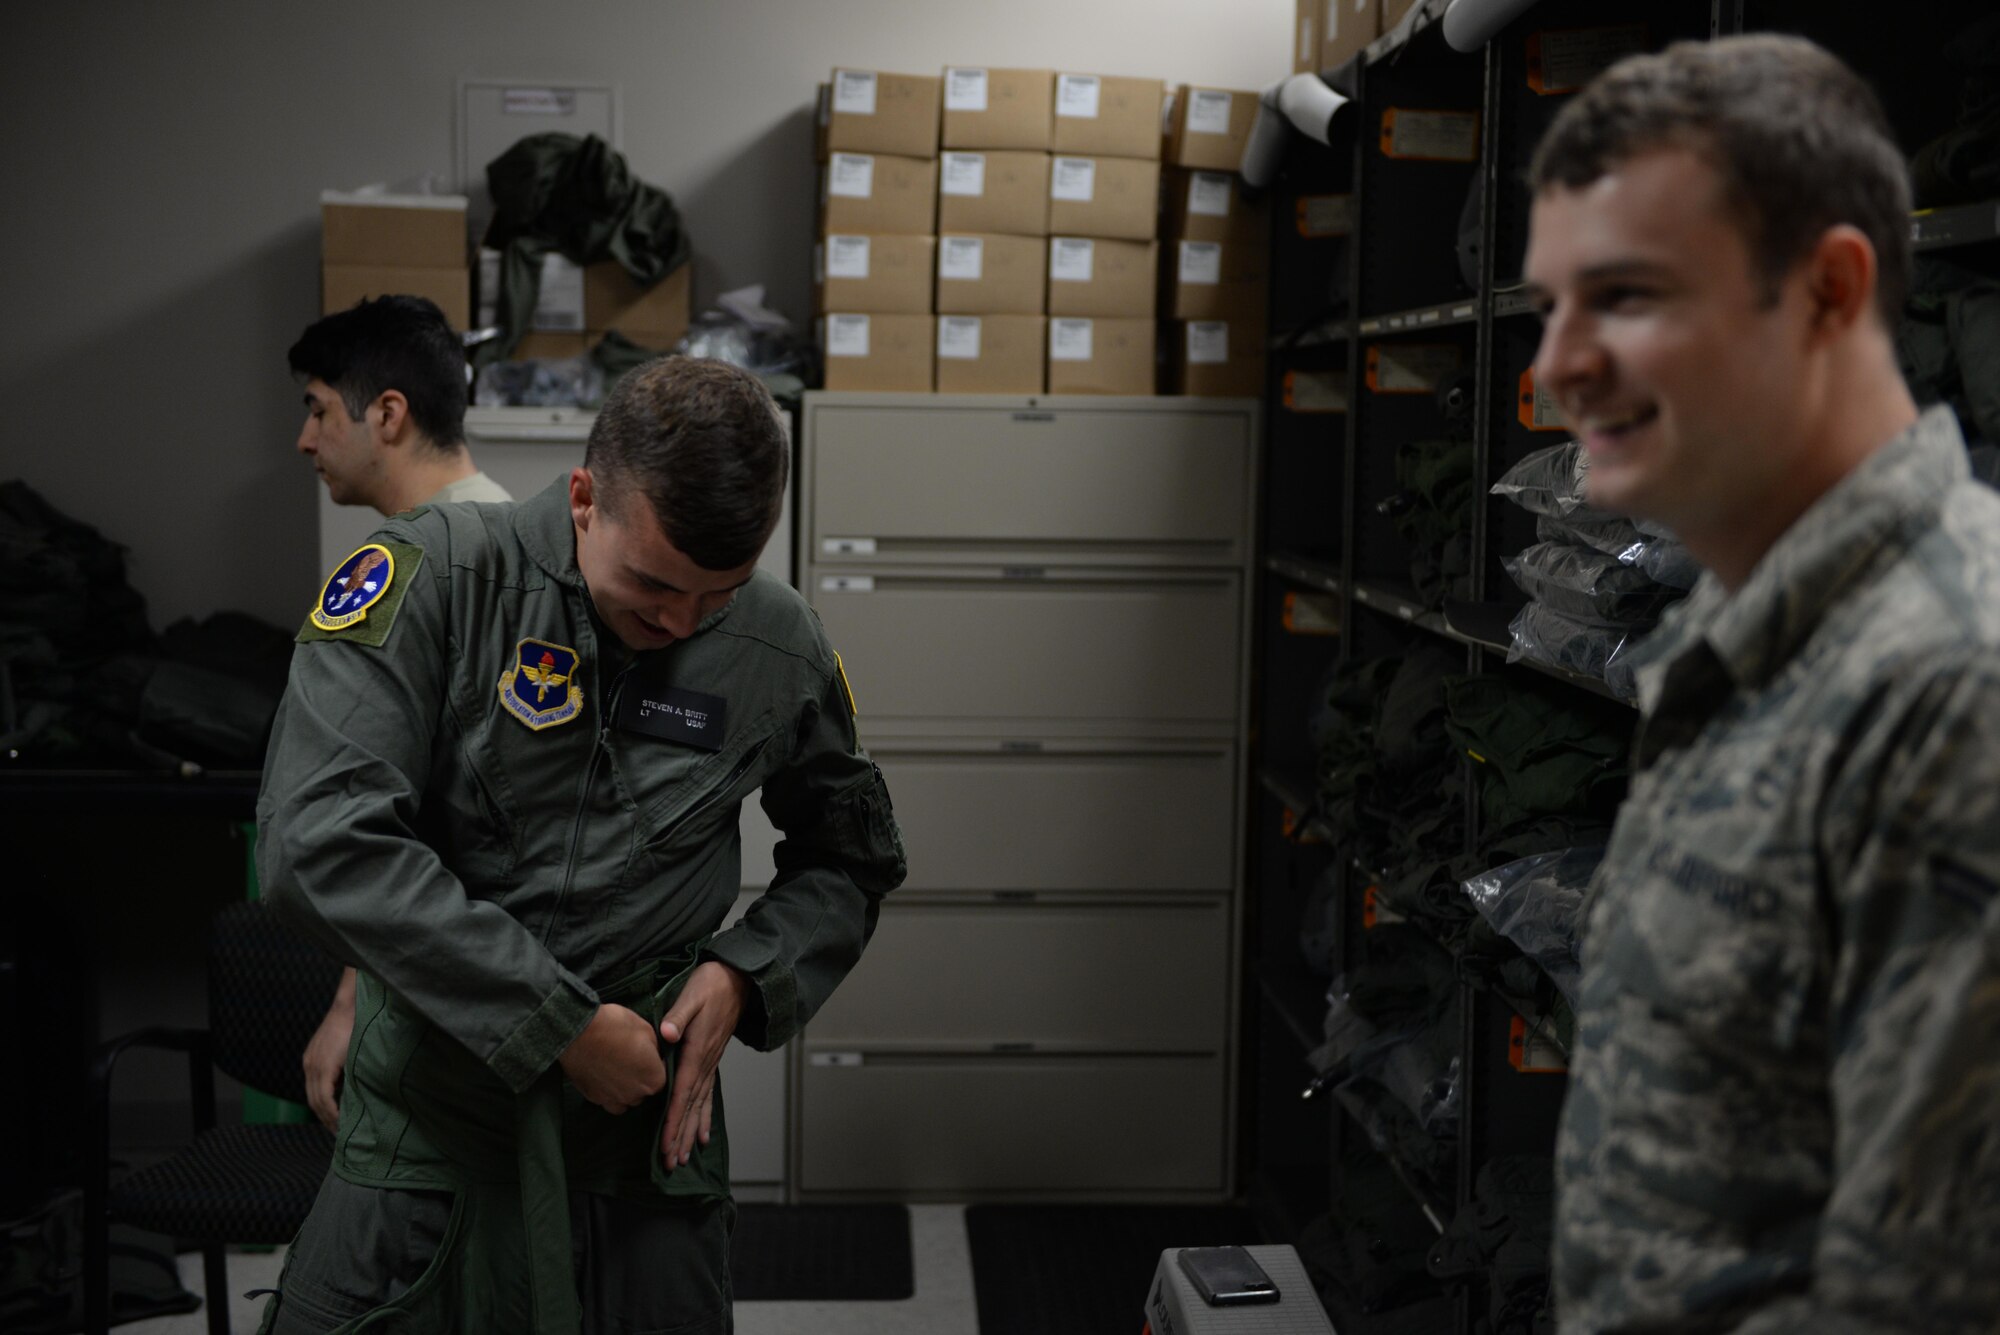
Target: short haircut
385,343
1798,139
702,442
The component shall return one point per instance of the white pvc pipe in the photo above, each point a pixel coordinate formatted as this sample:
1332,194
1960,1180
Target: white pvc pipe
1471,24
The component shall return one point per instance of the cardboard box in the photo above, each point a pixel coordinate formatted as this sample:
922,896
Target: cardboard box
392,231
878,194
872,112
595,298
1099,115
539,344
1211,206
1305,35
991,354
1210,127
987,108
879,352
558,294
1096,355
1392,13
1004,191
1348,27
1092,276
342,285
1198,262
874,275
1106,197
1242,299
1216,358
991,274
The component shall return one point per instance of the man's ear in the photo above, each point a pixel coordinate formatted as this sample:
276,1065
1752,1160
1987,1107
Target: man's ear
389,417
1840,279
582,497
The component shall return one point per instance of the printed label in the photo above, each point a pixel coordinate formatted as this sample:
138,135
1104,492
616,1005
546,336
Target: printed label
854,92
1071,259
847,583
847,256
958,337
848,546
1410,368
964,89
1325,215
1073,179
1565,60
851,176
1077,95
559,304
1069,340
1538,410
1333,20
1208,194
1208,111
538,101
1201,262
961,257
1307,56
1207,342
847,336
1437,136
964,174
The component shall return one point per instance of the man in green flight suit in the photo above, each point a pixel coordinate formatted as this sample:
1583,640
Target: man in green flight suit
504,784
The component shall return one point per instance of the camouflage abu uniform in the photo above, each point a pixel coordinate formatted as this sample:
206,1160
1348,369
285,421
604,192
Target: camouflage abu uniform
1785,1103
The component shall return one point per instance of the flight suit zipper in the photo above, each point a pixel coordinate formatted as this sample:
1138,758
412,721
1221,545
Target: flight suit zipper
598,749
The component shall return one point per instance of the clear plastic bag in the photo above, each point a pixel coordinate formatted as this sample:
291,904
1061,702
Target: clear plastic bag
1537,903
1651,549
1589,585
1547,636
1363,1062
551,382
1549,481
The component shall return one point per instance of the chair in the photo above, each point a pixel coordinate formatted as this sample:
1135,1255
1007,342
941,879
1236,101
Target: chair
253,1184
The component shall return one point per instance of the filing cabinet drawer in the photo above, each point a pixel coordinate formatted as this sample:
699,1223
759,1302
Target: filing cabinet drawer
983,648
984,977
1032,815
1049,1126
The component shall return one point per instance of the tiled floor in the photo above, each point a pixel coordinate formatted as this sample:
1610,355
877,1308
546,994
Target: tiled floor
942,1306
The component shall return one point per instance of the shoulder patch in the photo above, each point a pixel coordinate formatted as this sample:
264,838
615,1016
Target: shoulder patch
361,597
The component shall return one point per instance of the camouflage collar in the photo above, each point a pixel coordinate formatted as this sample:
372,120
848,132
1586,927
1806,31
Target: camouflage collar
548,534
1876,510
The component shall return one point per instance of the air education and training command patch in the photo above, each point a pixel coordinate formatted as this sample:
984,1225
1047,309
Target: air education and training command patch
363,594
540,689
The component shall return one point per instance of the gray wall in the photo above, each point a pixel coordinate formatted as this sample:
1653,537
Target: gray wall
162,165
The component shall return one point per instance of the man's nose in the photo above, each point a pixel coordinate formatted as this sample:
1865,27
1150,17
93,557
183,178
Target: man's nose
680,615
305,443
1569,355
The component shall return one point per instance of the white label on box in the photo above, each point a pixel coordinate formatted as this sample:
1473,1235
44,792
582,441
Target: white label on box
847,256
848,546
1073,179
1071,259
1069,340
1208,194
851,176
961,257
964,174
1201,262
538,102
1447,136
1307,56
854,92
847,584
1326,215
847,336
964,89
958,337
1332,20
559,304
1208,111
1207,342
1077,95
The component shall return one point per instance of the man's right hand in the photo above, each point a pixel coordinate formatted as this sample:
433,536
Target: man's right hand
615,1062
326,1054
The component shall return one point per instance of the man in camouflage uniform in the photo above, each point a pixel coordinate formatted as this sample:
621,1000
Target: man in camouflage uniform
1784,1112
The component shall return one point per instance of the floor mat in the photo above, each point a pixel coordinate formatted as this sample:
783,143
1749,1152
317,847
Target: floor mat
825,1253
1082,1269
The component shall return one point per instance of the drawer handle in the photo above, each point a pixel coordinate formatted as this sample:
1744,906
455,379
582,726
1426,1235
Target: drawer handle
1013,1047
1034,417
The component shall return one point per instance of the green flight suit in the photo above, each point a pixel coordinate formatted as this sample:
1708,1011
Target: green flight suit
504,817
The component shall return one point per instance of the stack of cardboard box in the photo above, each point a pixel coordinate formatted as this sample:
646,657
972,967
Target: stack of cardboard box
1215,265
1104,185
377,245
993,229
877,243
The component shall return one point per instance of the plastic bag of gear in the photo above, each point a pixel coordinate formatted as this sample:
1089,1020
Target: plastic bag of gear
1549,637
1589,585
1537,903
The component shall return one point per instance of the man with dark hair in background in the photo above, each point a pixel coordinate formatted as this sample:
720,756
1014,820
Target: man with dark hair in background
385,427
1784,1107
504,783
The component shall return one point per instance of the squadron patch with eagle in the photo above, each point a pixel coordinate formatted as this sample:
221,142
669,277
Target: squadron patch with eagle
361,597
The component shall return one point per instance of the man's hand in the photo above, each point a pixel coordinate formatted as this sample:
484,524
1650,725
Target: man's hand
701,1020
326,1054
615,1062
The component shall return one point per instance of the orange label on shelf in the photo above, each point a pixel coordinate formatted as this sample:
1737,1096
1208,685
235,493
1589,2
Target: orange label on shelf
1562,60
1533,1052
1321,216
1538,409
1311,613
1430,136
1411,368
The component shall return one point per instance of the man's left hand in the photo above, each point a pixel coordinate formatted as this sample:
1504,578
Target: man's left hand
701,1021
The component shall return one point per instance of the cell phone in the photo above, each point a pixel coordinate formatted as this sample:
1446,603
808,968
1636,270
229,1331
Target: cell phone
1227,1276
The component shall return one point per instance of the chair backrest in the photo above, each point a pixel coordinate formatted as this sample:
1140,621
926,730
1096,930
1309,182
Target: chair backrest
268,989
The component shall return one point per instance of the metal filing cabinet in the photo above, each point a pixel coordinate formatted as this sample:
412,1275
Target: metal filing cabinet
1041,605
